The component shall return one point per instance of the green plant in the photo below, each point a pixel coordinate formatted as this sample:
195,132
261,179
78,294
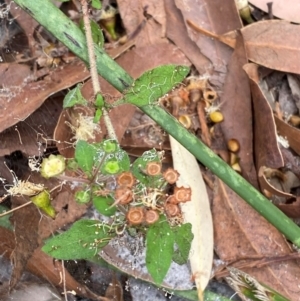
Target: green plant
143,93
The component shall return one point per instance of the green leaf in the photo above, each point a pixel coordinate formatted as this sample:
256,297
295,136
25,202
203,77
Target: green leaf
83,240
98,115
97,34
154,84
103,203
83,196
74,97
99,101
159,250
84,155
183,239
112,157
96,4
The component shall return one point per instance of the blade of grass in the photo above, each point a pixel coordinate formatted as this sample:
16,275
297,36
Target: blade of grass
63,29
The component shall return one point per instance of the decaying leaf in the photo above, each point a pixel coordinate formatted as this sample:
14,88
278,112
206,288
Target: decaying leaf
197,212
268,43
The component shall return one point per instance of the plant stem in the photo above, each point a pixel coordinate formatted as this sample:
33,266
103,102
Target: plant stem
221,169
93,67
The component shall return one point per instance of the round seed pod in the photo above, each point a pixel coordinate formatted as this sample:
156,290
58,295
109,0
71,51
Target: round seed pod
182,194
171,210
153,168
151,216
126,179
123,195
171,175
216,117
135,216
185,120
233,145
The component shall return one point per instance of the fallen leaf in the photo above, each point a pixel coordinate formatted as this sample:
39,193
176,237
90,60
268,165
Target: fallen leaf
241,232
290,133
268,43
25,222
236,107
198,213
267,152
22,100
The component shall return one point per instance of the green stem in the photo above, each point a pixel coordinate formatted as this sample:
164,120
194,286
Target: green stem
68,33
56,22
237,183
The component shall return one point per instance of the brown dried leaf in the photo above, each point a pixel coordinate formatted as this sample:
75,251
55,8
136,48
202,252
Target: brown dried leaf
218,16
290,133
268,43
292,210
267,152
241,232
28,135
23,99
236,108
25,222
178,34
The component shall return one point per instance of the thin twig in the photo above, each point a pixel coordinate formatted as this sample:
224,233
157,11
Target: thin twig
93,67
15,209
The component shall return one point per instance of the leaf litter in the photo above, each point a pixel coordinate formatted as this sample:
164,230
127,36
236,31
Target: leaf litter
270,43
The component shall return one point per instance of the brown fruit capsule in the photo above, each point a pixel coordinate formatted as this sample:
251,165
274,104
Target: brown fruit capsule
151,216
233,145
182,194
171,209
126,179
135,215
123,195
210,95
153,168
171,175
185,120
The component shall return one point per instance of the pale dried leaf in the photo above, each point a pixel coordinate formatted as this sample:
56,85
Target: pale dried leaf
197,212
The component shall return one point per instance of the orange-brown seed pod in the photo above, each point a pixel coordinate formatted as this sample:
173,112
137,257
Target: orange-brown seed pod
153,168
210,95
182,194
151,216
126,179
233,145
171,209
171,199
185,120
123,195
171,175
135,216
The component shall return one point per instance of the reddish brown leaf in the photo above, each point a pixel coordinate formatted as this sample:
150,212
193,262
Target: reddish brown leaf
21,101
25,223
240,231
290,133
274,44
236,108
267,152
